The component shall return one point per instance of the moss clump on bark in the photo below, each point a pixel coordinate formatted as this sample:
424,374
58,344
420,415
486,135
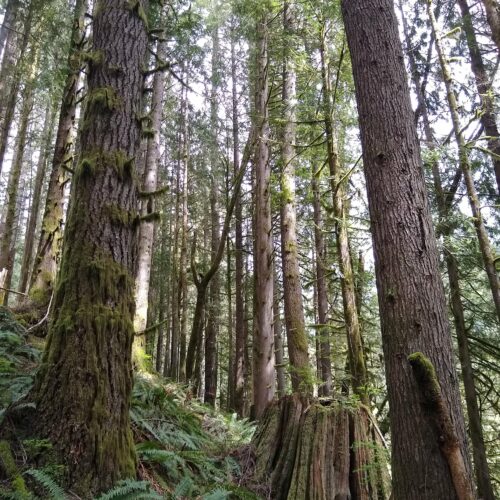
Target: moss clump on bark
95,57
136,6
439,417
11,471
119,216
153,194
102,99
426,378
97,160
152,217
148,133
40,295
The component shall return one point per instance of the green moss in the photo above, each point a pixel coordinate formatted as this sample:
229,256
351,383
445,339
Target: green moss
148,133
114,68
40,296
136,6
152,217
86,167
8,465
145,119
119,216
36,447
117,160
103,98
426,377
152,194
287,195
111,279
94,57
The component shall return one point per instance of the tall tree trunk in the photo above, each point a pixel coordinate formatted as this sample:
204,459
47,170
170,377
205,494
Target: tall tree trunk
7,252
325,363
278,337
212,330
410,292
230,322
179,309
29,239
11,76
148,215
230,315
482,235
263,343
183,261
240,338
9,18
51,238
483,89
82,390
162,293
340,211
171,284
176,292
444,201
292,288
493,16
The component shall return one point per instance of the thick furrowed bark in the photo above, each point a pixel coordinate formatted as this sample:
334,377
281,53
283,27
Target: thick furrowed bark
83,387
304,449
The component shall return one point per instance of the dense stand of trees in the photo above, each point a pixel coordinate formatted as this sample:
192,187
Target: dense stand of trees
258,199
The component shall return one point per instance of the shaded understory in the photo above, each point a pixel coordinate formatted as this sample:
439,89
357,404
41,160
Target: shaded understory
187,450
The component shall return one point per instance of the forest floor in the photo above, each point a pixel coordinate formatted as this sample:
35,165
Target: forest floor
185,449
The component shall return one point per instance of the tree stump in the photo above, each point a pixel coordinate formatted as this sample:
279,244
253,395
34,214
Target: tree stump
319,450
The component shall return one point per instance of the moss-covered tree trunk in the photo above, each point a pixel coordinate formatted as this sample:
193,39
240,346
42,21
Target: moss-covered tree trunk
278,336
83,388
29,239
411,296
263,342
49,247
151,125
354,341
325,363
292,288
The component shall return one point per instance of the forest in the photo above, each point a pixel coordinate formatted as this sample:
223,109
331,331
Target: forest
249,249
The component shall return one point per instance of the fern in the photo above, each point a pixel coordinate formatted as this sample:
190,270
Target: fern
17,359
55,491
217,494
184,489
231,491
128,489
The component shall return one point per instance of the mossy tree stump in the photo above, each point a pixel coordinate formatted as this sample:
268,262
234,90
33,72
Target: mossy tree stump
310,449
